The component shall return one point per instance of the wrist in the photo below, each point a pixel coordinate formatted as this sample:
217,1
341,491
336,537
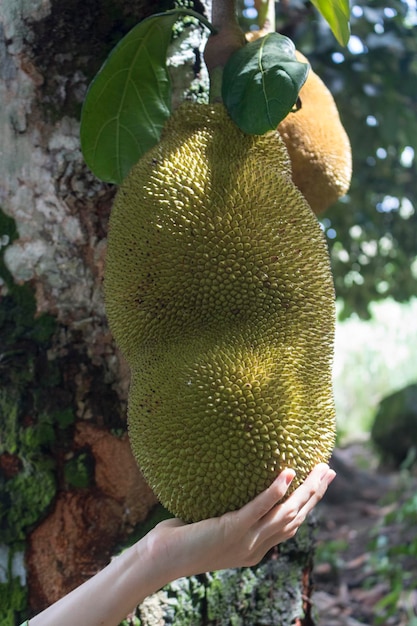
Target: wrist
173,551
157,549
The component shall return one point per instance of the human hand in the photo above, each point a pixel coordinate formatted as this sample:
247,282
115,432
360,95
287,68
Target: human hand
174,549
240,538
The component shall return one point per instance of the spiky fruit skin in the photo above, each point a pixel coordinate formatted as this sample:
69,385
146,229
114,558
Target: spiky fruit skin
219,293
318,145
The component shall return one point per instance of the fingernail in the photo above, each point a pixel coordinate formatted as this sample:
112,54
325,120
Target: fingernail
324,473
289,478
331,476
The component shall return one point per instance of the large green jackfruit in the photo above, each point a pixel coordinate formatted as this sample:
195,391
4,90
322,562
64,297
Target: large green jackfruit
219,294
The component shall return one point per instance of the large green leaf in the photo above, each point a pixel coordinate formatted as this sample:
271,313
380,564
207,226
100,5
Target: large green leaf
129,100
336,13
261,82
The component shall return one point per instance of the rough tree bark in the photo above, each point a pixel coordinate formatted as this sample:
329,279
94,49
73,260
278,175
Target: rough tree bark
71,493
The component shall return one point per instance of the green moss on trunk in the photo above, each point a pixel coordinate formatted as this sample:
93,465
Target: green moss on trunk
30,424
13,593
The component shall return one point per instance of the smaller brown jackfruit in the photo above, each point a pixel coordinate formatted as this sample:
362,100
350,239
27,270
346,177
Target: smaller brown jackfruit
316,141
318,145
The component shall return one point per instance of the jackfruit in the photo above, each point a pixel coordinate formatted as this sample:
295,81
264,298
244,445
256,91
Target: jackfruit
318,145
219,294
316,141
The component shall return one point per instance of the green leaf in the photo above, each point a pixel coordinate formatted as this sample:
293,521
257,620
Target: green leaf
336,13
261,82
129,100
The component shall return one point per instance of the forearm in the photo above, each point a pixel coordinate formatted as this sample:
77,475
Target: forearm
106,599
173,549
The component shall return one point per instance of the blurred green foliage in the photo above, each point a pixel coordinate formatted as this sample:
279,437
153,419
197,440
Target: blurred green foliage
373,359
13,600
372,232
29,487
79,470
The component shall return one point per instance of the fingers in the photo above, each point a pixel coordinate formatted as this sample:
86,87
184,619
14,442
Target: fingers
265,501
269,522
283,521
244,536
310,492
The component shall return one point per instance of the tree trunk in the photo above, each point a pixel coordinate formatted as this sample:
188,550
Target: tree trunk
71,493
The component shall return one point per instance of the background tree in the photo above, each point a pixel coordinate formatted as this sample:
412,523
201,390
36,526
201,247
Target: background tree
372,231
70,491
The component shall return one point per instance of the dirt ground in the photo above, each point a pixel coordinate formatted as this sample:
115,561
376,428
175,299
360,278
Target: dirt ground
362,577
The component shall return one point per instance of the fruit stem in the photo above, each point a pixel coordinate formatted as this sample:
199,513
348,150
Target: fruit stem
222,45
269,24
223,13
